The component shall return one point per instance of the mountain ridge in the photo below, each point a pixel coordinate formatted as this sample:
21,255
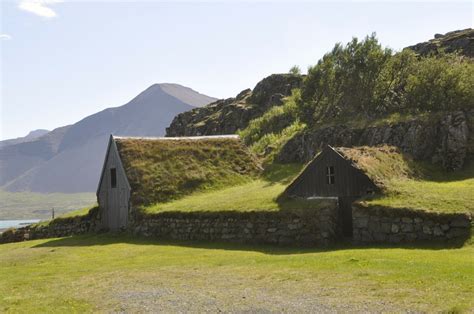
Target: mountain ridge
68,159
32,135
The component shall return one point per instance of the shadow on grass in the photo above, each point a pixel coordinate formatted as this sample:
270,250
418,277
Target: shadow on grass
429,172
111,238
281,173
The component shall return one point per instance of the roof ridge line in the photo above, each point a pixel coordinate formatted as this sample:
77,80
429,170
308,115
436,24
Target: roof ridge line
233,136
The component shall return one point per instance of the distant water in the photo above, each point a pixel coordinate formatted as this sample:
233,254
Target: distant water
5,224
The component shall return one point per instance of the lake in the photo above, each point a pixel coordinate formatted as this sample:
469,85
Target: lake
5,224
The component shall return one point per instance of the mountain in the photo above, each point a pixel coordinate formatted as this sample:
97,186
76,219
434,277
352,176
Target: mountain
460,41
28,138
69,159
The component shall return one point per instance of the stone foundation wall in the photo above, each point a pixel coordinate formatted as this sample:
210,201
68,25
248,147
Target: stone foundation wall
389,225
311,227
59,227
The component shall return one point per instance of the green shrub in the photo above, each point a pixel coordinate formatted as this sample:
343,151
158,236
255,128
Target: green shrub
364,79
271,143
273,121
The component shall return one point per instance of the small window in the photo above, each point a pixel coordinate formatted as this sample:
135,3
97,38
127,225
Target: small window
330,178
113,177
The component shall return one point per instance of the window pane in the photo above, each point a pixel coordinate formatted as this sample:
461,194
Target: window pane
113,177
330,170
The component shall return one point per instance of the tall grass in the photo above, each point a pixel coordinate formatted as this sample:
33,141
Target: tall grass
266,134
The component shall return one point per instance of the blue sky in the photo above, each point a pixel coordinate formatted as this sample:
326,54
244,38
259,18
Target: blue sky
64,60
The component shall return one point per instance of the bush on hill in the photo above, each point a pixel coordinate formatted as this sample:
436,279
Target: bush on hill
362,81
362,78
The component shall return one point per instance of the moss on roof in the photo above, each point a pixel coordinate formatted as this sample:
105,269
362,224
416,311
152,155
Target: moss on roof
380,163
163,169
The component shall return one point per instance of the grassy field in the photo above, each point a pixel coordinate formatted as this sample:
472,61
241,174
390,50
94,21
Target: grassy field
28,205
431,190
455,196
259,194
75,213
121,274
435,190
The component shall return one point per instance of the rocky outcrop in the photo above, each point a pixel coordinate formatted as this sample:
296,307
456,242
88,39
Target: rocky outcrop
461,41
392,225
226,116
441,138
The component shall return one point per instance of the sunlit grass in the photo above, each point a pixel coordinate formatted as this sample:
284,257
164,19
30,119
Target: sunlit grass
451,196
95,273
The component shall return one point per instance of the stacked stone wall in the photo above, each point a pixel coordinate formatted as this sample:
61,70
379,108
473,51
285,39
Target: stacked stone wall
308,227
389,225
59,227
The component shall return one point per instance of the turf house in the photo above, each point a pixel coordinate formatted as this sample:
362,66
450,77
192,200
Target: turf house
346,174
143,171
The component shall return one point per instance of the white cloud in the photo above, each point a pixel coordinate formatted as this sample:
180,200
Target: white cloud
39,7
5,37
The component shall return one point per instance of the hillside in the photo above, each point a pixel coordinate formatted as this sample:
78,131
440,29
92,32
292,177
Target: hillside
419,99
226,116
32,135
461,41
69,159
363,94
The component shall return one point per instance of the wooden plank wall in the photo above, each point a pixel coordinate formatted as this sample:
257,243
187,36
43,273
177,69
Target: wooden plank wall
114,202
349,181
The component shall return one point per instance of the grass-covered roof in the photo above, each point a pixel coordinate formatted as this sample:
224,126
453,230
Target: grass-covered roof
380,163
162,169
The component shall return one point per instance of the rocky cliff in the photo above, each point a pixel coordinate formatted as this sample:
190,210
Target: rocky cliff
461,41
442,138
226,116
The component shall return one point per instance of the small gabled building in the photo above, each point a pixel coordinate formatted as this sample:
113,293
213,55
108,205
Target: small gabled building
333,173
347,174
143,171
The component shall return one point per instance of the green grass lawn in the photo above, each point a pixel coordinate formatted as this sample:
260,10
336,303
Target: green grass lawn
432,190
258,195
435,190
109,273
455,196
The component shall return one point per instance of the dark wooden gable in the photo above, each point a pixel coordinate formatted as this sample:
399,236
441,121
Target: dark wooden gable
329,174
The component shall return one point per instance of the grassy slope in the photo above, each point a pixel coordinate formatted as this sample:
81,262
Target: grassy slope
440,191
75,213
107,273
27,205
259,194
434,191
